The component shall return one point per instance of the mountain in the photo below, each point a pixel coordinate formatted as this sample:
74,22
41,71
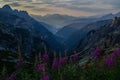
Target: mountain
23,29
72,33
56,20
76,37
74,26
105,37
81,22
61,22
77,24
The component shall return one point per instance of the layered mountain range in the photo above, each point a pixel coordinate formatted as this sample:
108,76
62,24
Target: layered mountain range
56,20
18,28
73,33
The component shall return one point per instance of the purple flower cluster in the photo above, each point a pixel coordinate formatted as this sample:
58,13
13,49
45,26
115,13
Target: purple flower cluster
39,67
55,63
61,61
116,53
109,61
58,62
97,52
46,57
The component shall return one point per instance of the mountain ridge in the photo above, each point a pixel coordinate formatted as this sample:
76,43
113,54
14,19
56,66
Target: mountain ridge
21,20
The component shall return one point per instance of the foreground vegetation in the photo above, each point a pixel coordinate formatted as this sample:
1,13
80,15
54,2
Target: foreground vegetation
102,66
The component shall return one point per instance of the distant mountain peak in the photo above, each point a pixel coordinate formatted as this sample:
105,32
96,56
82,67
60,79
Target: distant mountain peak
23,14
6,7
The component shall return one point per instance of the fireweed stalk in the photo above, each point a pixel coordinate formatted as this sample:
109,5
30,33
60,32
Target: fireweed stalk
75,56
96,56
39,68
109,61
45,76
97,53
45,56
55,63
37,65
116,53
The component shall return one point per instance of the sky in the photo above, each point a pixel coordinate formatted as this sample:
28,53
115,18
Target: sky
66,7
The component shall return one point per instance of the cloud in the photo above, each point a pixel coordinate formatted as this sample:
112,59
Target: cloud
114,3
80,8
53,6
6,0
43,10
15,4
81,3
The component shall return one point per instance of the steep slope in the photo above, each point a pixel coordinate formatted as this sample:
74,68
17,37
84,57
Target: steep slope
28,28
11,38
105,37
